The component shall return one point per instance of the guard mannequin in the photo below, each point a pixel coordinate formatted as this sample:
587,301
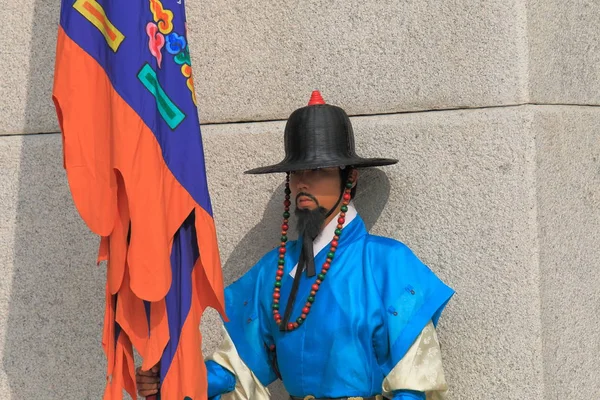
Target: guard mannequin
338,313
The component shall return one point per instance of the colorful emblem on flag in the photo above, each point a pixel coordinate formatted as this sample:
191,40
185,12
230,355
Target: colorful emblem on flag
134,159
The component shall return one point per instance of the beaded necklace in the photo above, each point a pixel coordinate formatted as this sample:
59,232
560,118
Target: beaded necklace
326,265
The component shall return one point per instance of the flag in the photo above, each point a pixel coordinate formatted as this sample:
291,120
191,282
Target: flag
134,159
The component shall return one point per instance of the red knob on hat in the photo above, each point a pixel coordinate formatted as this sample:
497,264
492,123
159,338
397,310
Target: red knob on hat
316,98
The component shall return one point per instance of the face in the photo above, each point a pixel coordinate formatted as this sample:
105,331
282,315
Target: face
323,185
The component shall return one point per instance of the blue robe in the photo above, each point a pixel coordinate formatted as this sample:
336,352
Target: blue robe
375,301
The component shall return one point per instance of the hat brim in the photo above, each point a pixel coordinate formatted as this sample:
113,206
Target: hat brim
286,166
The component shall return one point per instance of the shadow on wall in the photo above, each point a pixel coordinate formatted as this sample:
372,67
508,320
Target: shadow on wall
52,346
372,195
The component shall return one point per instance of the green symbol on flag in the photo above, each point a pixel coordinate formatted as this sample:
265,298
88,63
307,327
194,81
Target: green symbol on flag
183,57
169,111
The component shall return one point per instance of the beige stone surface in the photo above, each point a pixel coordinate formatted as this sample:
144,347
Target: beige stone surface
10,151
258,60
503,203
568,184
50,291
564,39
27,66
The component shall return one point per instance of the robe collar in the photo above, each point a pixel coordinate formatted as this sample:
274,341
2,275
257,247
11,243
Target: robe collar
326,235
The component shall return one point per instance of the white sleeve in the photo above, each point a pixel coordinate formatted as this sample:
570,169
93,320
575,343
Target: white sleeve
247,385
420,369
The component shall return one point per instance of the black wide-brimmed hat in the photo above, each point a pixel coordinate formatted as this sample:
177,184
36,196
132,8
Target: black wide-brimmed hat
319,136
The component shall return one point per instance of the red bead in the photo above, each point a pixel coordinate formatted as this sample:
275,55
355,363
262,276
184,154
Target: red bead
279,272
272,347
340,226
342,214
295,325
347,196
290,326
307,304
285,227
332,249
276,295
336,237
326,265
334,243
287,203
275,312
282,256
323,271
278,278
341,220
315,287
303,316
282,250
319,281
276,301
328,261
305,310
312,292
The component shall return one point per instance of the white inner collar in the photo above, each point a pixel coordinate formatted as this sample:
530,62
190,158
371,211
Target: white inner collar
328,232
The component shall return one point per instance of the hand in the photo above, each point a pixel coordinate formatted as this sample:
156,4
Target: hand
148,382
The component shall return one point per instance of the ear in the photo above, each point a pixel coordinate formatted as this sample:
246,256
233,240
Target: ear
354,176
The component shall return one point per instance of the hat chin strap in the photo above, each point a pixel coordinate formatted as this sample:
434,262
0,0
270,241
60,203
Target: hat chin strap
335,206
345,173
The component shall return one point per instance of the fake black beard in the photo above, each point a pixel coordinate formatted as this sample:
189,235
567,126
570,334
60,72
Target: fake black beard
309,222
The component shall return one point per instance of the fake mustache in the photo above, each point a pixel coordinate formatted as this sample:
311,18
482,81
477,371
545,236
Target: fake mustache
310,196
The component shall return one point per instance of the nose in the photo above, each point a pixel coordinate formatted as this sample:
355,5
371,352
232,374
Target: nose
300,182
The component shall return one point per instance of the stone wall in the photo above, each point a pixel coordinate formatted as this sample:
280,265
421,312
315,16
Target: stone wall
491,107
